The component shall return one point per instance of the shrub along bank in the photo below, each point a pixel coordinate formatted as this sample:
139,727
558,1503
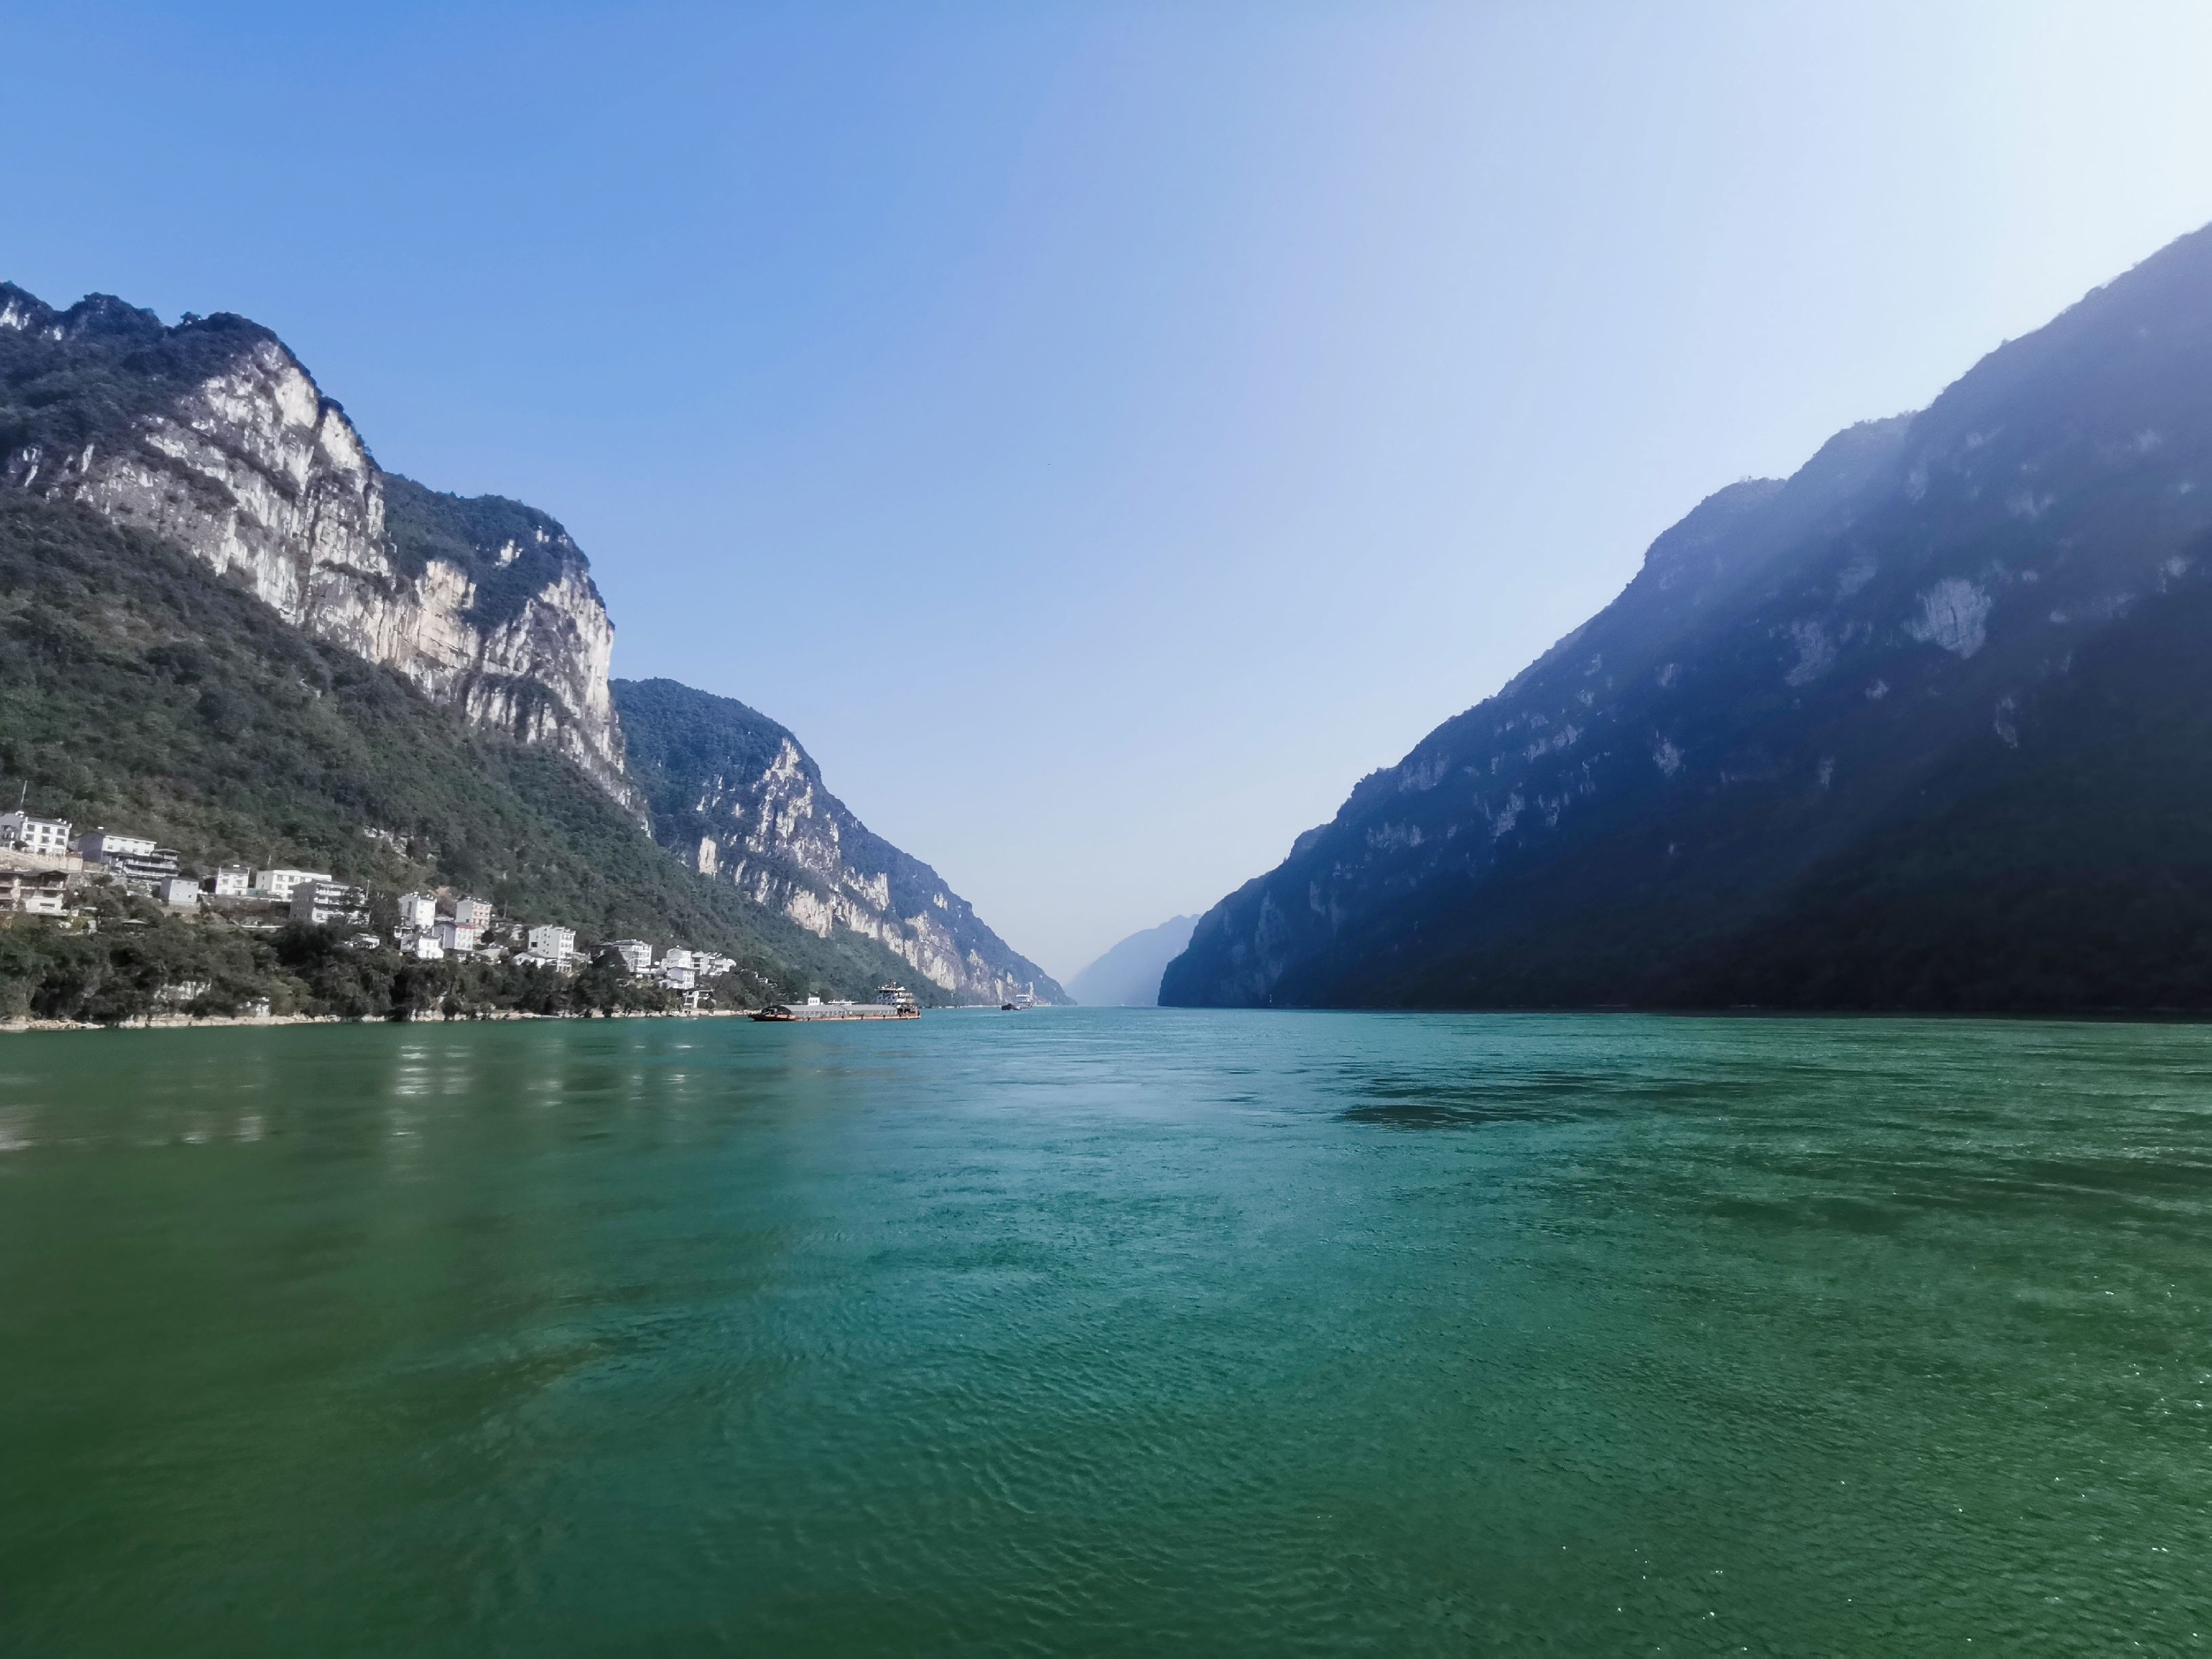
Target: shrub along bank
142,962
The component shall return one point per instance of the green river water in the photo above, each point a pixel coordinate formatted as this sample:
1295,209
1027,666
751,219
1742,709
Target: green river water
1107,1333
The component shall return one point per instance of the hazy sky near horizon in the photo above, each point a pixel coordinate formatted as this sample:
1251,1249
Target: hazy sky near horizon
1103,432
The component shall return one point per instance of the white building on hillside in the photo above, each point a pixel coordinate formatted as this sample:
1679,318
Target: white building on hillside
555,945
457,936
134,858
233,881
423,947
636,955
418,912
34,892
279,884
179,892
105,846
27,832
328,904
472,912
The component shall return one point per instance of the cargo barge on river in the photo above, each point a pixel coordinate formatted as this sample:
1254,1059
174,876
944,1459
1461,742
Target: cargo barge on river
892,1002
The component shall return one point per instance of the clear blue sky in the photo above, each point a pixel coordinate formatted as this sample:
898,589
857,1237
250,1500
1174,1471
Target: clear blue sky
1103,432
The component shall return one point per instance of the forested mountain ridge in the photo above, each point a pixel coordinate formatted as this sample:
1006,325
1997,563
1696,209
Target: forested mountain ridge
1920,726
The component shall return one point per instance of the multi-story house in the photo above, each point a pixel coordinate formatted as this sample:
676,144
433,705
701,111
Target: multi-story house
327,903
134,858
100,846
181,892
636,955
418,912
554,943
278,883
34,892
233,880
456,936
27,832
472,912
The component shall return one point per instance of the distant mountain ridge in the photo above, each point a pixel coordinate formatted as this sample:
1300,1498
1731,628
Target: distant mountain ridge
212,438
1923,725
734,794
1129,974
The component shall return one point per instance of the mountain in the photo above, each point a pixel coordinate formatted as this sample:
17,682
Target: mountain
225,626
1926,725
212,436
734,794
1128,975
138,689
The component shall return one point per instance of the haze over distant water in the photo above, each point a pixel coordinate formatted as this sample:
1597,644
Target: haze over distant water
1103,1333
1188,407
1128,975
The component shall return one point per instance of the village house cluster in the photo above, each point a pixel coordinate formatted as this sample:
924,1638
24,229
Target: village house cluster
44,862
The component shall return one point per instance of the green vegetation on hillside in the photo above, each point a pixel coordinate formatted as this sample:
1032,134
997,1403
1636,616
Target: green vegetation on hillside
144,961
139,691
114,363
469,533
2081,879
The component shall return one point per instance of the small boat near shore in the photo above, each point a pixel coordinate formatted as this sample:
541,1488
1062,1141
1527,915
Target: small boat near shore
892,1002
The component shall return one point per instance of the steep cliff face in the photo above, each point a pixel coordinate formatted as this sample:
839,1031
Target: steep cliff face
1870,736
733,793
138,687
214,437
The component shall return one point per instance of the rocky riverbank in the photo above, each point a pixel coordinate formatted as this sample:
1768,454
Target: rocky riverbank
187,1022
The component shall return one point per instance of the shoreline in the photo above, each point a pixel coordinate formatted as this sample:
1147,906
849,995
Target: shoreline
2075,1015
212,1022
